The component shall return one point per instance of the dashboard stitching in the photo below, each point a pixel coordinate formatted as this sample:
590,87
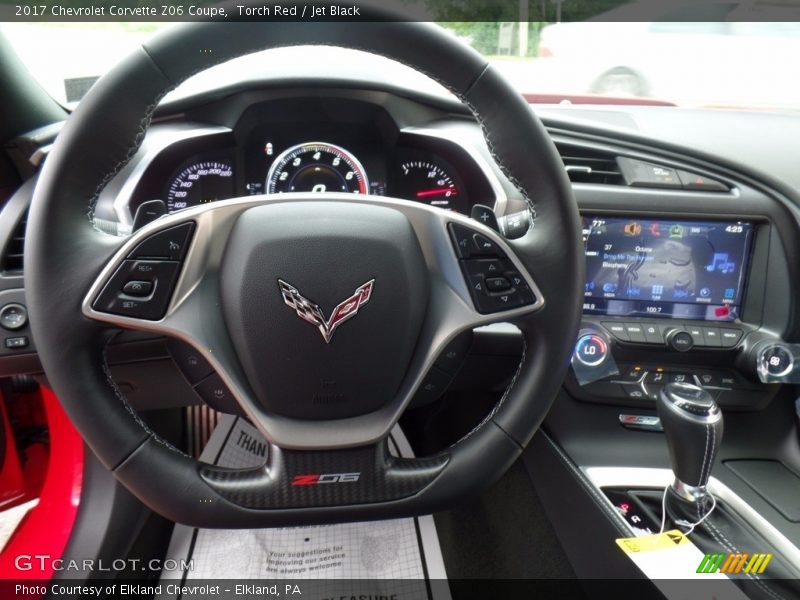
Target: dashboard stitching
705,453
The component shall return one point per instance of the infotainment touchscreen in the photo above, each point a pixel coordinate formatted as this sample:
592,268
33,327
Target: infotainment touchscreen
665,268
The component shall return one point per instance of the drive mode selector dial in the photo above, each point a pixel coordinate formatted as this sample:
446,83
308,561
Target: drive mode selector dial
679,340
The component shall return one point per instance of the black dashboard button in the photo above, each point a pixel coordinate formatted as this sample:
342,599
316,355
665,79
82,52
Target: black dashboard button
711,336
170,244
697,334
730,337
656,378
617,330
635,332
680,377
20,341
635,392
680,340
652,333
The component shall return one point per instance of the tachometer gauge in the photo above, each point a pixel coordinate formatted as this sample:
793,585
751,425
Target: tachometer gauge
316,167
427,182
199,183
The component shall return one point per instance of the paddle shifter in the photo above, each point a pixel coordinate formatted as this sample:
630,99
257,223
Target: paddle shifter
692,422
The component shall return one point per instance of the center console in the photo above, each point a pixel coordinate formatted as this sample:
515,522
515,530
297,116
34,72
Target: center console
676,300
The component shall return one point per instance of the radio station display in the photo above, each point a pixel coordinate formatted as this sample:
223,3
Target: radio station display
663,268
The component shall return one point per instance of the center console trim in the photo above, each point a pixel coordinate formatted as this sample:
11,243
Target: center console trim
638,477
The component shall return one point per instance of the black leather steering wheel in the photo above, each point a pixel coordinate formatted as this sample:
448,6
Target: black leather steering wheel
239,279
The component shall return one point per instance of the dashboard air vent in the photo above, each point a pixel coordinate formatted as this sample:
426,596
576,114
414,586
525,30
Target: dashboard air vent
13,254
588,165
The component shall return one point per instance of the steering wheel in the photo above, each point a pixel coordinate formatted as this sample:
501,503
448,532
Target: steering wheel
321,314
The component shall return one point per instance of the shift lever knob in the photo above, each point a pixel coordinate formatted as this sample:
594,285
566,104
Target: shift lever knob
692,423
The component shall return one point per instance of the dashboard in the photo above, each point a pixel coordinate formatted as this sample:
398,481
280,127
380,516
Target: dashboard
691,262
317,145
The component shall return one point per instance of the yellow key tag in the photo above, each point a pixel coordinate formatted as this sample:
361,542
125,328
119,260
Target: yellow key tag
671,561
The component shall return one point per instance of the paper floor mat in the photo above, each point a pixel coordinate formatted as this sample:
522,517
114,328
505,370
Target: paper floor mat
382,554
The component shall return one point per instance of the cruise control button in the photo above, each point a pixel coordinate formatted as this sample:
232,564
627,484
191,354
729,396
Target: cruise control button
652,333
711,336
138,288
635,332
162,275
170,244
730,337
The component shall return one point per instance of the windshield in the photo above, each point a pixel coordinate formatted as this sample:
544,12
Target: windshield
668,61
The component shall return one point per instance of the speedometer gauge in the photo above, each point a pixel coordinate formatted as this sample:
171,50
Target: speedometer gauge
316,167
199,183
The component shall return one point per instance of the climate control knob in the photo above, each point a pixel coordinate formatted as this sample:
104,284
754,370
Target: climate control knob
591,350
679,340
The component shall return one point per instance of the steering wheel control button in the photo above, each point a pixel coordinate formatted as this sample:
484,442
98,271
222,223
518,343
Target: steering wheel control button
170,244
776,361
13,316
730,337
138,288
591,350
15,343
432,387
679,340
190,362
484,246
216,394
498,284
462,240
455,352
162,276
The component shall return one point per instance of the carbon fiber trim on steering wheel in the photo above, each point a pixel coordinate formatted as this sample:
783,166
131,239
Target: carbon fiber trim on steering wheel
299,479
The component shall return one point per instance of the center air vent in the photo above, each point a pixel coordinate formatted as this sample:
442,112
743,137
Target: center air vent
15,248
587,165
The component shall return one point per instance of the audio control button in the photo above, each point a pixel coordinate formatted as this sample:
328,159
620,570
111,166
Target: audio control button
617,330
730,337
711,337
635,332
652,333
679,340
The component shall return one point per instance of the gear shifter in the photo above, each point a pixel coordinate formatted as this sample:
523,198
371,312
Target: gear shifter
692,422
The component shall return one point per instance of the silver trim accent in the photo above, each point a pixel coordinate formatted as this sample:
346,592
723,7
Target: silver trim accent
157,141
638,477
714,415
346,153
500,197
691,493
194,315
763,367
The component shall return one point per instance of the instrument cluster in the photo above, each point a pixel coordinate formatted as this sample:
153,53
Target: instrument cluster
316,146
